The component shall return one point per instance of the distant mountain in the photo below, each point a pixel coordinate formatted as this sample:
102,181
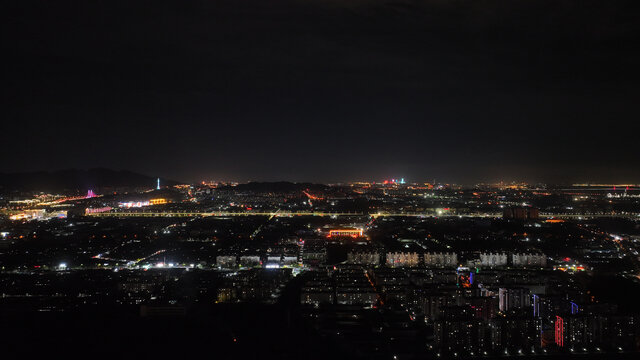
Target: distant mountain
278,187
77,180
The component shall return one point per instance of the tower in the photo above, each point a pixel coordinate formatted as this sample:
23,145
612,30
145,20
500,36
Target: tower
158,186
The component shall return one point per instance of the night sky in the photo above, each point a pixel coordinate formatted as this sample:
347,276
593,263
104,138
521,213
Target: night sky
324,90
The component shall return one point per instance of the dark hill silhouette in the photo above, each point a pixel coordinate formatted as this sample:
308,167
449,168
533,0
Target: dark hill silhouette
278,186
75,179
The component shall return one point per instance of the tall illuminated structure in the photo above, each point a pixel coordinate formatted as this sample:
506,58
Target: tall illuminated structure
559,331
158,186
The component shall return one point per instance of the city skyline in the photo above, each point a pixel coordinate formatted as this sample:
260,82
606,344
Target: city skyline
388,270
336,179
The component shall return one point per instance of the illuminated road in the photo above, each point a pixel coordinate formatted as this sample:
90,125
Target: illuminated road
255,233
220,214
335,214
133,262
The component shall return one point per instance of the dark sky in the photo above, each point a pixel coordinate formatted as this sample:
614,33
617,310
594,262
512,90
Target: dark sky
324,90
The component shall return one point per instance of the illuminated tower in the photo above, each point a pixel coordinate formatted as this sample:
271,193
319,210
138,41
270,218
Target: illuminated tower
158,186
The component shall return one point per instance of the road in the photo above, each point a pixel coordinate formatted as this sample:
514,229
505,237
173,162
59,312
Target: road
272,214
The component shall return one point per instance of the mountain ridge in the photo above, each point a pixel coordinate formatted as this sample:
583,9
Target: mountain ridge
77,180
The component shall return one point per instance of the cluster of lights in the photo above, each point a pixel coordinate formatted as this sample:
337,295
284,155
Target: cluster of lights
346,232
394,181
569,267
97,210
134,204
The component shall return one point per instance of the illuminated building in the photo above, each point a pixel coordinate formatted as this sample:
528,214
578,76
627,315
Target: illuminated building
513,298
464,277
491,259
39,214
401,259
21,216
289,260
314,252
529,260
134,204
249,260
554,221
441,259
226,261
158,201
345,232
97,210
559,331
273,261
365,258
586,330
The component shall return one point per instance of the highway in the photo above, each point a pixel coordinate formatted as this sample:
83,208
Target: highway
279,213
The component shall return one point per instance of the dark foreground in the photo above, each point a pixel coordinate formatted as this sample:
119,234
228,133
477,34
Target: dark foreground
239,331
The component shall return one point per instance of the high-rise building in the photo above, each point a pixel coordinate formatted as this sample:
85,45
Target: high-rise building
513,298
